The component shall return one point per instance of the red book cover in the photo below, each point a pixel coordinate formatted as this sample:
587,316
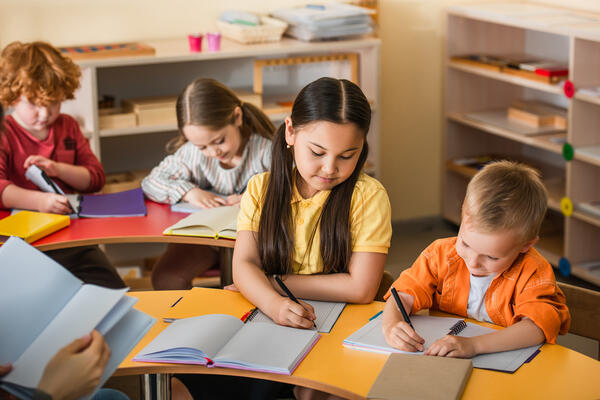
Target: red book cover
558,71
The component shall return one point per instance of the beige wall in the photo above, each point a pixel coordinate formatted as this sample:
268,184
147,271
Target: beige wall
411,65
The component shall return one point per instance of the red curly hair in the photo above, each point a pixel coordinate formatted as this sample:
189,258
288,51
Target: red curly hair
37,71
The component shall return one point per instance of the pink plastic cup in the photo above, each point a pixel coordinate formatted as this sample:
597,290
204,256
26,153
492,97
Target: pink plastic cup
214,41
195,42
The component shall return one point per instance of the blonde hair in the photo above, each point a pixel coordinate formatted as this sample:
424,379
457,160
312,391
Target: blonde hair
37,71
506,195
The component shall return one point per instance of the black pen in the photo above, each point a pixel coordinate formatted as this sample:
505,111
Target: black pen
288,292
56,189
401,307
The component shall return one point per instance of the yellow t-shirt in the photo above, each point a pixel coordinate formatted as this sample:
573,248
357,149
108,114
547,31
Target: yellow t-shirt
370,219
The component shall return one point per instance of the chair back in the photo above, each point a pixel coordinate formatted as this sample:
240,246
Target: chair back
386,281
584,306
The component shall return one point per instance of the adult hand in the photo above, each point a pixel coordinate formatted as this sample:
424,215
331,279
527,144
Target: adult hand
204,199
5,369
76,369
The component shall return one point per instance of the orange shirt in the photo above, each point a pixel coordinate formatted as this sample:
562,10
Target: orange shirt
439,279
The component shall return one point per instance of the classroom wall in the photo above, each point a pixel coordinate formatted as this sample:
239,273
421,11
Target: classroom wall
412,33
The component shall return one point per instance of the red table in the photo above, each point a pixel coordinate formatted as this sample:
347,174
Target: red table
147,229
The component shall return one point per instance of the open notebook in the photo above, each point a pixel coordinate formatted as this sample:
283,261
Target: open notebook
370,338
44,307
218,222
327,314
220,340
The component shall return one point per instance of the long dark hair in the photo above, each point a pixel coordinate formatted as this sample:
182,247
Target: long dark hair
326,99
207,102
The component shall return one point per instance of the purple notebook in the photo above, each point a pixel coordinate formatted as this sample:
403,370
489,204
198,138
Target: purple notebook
129,203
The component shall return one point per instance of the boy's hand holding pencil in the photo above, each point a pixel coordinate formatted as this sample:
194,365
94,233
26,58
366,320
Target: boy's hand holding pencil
397,328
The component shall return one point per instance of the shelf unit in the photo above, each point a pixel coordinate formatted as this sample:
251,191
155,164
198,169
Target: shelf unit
172,67
549,33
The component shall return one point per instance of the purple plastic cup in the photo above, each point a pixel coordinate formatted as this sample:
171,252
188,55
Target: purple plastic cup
214,41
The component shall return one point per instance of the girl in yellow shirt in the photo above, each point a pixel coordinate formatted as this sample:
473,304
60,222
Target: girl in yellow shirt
316,219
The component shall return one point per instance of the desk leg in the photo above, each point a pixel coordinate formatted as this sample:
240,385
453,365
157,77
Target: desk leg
225,258
156,387
146,386
163,386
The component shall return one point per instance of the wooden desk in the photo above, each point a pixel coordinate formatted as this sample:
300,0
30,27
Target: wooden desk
147,229
557,372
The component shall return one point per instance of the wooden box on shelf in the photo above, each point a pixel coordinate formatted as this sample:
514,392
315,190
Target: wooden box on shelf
119,182
151,111
115,118
538,114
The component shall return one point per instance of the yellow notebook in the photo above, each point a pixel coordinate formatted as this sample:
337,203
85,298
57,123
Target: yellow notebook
31,225
218,222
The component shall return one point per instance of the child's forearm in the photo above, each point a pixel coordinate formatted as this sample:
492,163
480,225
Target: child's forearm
358,286
522,334
329,287
391,315
14,196
76,176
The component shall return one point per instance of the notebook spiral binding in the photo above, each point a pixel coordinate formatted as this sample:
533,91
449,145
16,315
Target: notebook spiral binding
252,314
457,328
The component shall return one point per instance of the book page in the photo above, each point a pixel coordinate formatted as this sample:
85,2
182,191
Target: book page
206,335
327,313
213,220
122,338
266,347
33,289
77,318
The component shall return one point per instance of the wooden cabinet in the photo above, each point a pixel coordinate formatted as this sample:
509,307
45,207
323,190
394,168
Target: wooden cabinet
571,240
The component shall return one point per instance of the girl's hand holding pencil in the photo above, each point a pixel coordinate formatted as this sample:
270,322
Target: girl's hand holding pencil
296,315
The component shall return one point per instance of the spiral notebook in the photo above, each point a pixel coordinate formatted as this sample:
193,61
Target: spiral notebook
370,338
327,314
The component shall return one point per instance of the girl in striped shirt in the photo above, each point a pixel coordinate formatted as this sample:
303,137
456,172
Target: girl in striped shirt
223,142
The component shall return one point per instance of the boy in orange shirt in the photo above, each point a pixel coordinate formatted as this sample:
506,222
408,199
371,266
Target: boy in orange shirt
489,272
34,80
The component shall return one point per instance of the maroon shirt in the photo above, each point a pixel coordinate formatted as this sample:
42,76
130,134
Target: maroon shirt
65,143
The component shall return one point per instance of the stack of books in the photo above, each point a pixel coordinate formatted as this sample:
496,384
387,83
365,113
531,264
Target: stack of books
328,21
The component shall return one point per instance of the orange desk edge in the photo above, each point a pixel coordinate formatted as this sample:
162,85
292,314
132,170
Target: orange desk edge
557,372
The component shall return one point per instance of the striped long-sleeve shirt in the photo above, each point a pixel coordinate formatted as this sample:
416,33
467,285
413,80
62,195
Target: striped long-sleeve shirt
188,168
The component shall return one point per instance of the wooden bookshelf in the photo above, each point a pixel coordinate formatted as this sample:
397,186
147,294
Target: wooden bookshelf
173,66
505,29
